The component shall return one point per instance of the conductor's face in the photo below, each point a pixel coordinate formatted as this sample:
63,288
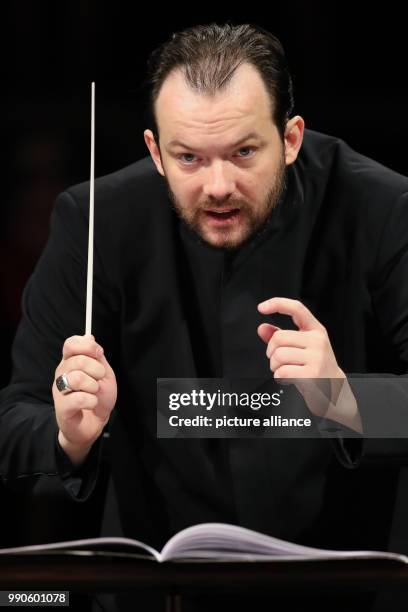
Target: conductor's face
222,156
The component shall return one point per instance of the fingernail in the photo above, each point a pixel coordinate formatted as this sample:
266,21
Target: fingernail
99,352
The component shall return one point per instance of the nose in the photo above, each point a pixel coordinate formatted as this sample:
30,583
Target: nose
218,182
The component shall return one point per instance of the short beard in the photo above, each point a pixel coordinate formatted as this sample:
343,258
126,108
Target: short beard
256,221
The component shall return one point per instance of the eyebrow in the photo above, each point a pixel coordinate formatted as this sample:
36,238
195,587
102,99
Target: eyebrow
250,136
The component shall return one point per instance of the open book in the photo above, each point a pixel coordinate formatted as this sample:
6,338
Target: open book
207,542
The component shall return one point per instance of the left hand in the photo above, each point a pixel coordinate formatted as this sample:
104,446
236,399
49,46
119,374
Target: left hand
307,354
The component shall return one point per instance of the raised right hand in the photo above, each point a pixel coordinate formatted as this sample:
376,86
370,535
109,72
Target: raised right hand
83,413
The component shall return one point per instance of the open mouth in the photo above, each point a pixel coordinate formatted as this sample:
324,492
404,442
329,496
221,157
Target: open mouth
222,216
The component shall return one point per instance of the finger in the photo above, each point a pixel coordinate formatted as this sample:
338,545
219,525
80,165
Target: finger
266,331
288,337
109,373
81,345
301,316
85,364
102,412
288,372
80,381
76,401
287,356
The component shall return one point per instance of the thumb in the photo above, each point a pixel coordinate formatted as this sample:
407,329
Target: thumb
266,331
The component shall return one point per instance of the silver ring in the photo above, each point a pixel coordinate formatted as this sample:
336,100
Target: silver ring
62,384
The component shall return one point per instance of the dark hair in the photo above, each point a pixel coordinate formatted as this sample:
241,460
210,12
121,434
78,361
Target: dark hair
209,56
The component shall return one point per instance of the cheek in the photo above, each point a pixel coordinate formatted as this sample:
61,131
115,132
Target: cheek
250,185
263,179
192,187
186,189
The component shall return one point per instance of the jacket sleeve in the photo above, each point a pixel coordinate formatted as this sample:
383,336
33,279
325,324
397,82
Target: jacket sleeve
53,307
382,398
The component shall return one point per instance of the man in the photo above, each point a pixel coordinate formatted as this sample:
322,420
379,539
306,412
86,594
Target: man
237,205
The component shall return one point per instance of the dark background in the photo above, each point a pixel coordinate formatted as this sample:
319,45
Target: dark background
348,61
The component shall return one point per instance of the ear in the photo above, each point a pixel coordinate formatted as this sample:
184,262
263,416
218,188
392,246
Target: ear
294,130
154,150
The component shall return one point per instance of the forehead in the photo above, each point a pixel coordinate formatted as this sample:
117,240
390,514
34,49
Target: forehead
244,104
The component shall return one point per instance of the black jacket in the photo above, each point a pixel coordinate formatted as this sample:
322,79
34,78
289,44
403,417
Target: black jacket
167,306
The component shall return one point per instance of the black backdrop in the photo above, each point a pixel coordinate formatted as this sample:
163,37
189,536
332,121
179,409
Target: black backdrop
348,62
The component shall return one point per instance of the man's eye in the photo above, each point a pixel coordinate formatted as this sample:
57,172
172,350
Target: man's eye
188,158
245,152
